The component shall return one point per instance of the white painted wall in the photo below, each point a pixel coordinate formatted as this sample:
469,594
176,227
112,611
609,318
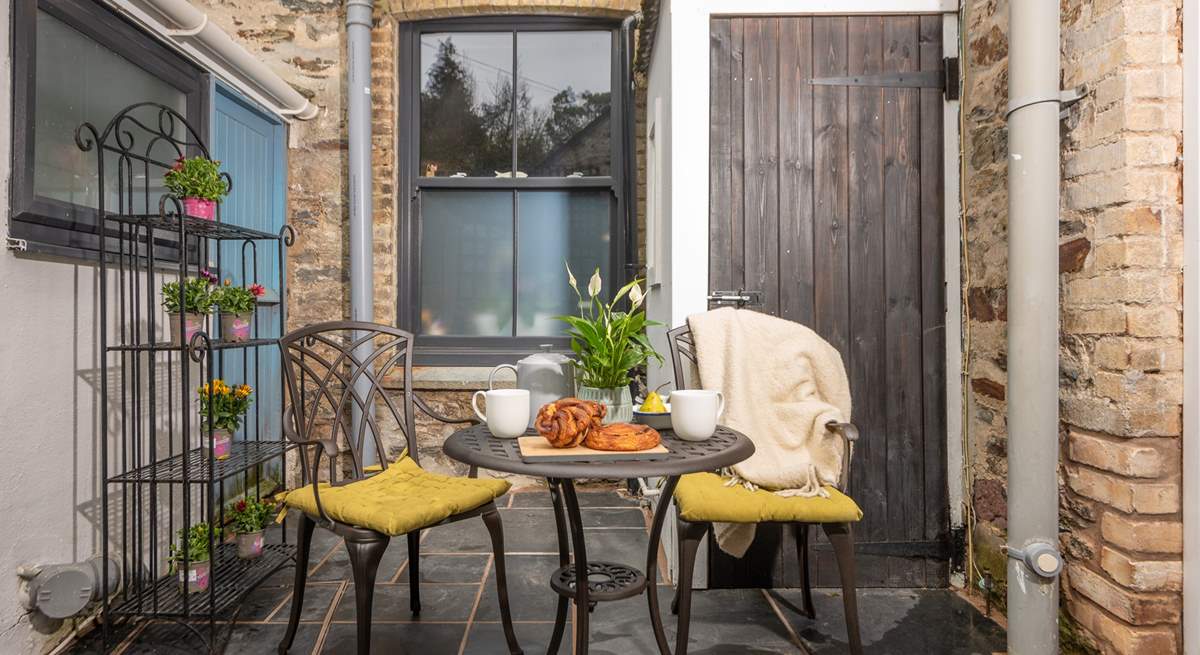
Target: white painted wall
1191,328
49,499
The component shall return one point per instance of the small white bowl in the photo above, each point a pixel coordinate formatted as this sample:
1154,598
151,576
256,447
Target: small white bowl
656,420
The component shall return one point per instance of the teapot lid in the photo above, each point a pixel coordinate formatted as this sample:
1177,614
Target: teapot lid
545,356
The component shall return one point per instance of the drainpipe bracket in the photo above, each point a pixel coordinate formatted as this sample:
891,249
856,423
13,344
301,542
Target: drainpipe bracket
1041,558
1065,99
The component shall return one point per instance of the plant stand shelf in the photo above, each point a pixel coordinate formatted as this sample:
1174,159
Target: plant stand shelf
192,226
231,578
243,455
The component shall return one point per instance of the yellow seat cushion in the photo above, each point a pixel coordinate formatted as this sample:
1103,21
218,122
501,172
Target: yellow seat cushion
401,499
704,498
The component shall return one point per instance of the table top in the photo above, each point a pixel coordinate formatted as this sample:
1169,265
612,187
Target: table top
476,446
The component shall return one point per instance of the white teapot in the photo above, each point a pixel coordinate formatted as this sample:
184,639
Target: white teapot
547,376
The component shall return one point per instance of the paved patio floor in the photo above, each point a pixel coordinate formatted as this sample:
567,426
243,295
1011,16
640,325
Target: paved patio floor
460,613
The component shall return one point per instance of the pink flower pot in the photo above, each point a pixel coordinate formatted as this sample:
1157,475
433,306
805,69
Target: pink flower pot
192,323
222,443
196,578
235,328
250,545
200,208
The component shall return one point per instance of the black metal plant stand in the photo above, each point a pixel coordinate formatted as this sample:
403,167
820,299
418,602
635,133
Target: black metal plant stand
160,471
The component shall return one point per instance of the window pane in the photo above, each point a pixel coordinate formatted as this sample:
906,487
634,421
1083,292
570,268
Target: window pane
558,226
80,80
466,104
466,263
564,103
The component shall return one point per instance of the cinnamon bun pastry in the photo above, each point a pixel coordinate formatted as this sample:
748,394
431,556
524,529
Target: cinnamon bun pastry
566,422
622,436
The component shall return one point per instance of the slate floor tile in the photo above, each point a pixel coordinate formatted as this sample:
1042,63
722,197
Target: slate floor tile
439,602
410,638
534,638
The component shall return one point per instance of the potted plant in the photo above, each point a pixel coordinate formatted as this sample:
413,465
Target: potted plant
188,302
609,344
198,182
250,518
236,304
226,405
199,561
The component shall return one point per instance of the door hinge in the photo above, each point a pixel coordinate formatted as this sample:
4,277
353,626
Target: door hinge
741,297
950,80
945,79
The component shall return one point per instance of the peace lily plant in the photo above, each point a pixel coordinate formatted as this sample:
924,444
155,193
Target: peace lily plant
609,343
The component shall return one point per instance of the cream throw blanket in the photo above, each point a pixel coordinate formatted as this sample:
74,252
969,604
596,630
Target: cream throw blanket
782,384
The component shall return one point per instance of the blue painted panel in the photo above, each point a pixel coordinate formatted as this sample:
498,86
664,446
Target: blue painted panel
251,146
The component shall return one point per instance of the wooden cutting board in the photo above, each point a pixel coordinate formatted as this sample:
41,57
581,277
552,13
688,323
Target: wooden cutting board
537,449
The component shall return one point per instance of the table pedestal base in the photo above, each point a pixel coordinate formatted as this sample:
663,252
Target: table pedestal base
606,581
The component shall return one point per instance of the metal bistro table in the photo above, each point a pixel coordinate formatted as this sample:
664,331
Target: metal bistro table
605,580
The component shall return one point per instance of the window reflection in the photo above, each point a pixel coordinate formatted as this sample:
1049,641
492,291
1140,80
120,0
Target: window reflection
564,103
466,104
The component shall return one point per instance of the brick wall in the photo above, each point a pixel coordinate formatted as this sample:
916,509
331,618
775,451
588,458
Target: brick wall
1121,351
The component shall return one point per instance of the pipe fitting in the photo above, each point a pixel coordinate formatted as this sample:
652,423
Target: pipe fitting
1043,559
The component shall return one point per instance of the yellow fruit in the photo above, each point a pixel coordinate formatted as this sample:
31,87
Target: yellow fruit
653,403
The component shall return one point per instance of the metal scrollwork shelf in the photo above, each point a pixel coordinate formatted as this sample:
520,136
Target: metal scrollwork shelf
162,476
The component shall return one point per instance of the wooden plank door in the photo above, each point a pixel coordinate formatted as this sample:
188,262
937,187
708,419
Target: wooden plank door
826,208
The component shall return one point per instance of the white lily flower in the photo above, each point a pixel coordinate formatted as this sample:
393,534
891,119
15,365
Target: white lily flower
570,277
594,284
636,297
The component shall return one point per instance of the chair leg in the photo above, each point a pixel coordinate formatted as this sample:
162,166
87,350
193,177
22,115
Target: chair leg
364,561
304,531
414,572
801,533
690,535
496,530
842,540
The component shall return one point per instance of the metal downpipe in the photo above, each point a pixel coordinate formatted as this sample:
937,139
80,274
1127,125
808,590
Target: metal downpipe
1033,310
362,284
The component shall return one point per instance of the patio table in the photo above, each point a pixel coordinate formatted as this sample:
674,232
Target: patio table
606,581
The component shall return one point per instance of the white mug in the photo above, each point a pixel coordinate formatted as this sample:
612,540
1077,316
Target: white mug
507,411
695,412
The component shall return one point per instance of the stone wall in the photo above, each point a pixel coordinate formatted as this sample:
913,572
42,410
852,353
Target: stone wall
304,42
1121,266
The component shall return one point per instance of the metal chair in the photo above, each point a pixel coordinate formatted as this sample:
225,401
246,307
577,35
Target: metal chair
683,347
335,375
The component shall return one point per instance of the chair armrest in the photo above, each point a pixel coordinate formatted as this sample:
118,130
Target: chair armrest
289,430
849,434
424,407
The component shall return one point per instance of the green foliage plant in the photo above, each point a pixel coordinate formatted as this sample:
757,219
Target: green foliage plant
250,515
197,538
230,299
197,295
609,343
197,177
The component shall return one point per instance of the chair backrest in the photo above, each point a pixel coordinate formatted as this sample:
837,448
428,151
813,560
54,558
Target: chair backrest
331,369
682,347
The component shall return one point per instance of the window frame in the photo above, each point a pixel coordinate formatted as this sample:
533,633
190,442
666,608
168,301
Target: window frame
64,229
488,351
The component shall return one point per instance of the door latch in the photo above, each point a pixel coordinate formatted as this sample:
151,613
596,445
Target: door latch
741,297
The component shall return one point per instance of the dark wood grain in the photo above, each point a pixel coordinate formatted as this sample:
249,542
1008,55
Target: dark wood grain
933,301
795,170
868,331
829,200
831,294
720,156
761,165
903,352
